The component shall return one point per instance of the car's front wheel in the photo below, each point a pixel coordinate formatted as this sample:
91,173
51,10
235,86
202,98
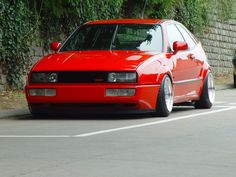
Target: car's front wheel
207,97
165,98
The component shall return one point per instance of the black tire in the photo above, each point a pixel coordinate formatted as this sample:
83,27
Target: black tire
162,108
234,81
208,94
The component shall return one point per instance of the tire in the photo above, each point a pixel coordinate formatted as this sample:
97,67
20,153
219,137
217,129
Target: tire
165,98
207,97
234,81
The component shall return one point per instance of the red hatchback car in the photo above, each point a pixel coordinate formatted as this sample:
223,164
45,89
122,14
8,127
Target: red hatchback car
122,66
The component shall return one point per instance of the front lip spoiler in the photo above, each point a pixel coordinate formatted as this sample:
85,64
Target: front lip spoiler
55,110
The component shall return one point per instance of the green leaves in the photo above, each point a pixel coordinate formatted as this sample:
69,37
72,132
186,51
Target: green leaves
15,27
194,14
59,18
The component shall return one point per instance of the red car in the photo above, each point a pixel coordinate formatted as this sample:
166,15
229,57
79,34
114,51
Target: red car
122,66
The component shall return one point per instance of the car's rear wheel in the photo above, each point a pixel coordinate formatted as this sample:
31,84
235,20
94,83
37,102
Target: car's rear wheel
165,98
207,97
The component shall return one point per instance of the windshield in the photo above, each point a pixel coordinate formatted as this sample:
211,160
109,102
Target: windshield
142,37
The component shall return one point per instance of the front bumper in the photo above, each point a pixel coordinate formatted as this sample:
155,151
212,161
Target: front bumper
92,99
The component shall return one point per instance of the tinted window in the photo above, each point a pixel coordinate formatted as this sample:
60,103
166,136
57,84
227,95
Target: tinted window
173,35
187,37
144,37
91,37
141,37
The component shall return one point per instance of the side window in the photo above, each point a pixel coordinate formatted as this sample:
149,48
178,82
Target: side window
153,41
187,37
173,35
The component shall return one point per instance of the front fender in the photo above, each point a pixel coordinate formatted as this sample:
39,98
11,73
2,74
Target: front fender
153,71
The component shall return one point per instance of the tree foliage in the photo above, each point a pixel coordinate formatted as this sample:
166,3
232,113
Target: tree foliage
192,13
59,18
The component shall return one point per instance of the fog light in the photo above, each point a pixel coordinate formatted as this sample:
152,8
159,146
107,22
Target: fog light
50,92
42,92
120,92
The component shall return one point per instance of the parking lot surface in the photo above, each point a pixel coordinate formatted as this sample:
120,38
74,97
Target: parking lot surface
189,143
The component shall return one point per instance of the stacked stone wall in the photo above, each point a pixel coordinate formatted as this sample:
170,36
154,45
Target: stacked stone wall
219,43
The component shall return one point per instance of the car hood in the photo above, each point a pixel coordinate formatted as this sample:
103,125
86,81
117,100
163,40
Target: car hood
93,60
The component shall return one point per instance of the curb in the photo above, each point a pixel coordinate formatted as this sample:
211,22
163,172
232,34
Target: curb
13,113
224,87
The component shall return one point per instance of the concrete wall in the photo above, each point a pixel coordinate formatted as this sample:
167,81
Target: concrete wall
219,43
3,79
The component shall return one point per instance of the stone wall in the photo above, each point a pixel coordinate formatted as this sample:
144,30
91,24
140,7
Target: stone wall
3,79
220,44
36,53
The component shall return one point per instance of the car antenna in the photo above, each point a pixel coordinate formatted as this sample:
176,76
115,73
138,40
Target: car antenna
144,7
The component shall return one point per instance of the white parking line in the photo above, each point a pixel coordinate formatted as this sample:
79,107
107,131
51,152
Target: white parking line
219,102
35,136
120,128
153,123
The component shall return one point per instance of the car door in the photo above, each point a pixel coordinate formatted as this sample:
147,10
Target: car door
195,58
182,69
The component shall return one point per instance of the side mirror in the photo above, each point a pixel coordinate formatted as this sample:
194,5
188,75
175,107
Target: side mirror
55,46
179,45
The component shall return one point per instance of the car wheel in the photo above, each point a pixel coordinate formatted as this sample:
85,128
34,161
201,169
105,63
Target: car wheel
207,97
165,98
234,81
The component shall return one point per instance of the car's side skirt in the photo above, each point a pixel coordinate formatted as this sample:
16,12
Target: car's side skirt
187,90
187,81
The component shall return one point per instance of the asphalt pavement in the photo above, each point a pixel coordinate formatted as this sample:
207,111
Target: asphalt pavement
189,143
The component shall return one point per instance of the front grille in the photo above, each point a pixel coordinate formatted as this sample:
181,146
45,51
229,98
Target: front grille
82,77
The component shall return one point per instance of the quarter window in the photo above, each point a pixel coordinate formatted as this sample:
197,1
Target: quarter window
173,35
187,37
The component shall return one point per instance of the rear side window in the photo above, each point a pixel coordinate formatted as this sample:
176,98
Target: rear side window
187,37
173,35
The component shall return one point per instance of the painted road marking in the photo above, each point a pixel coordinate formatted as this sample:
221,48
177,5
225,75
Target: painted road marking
35,136
219,102
152,123
120,128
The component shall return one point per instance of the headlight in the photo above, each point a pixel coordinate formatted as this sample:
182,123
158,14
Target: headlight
44,77
122,77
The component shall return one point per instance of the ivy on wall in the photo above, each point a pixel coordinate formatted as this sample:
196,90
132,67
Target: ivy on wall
16,34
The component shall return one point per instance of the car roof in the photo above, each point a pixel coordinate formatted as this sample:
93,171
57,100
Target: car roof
127,21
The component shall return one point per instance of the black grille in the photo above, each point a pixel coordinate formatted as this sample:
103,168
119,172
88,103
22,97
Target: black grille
82,77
